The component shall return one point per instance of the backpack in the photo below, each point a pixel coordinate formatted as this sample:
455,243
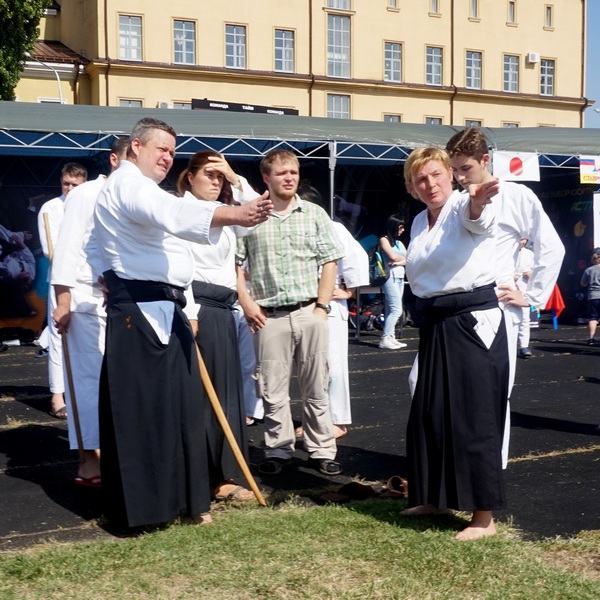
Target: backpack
378,274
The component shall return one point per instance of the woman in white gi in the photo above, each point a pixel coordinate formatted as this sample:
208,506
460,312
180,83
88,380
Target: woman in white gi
457,416
209,177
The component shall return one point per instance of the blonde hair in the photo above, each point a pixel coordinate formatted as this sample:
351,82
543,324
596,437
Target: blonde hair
417,160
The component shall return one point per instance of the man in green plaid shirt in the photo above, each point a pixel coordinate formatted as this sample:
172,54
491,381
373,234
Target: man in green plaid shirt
286,305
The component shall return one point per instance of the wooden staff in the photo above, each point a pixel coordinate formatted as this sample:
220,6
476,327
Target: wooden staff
67,357
214,401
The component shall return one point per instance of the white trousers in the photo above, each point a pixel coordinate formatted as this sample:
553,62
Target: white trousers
55,351
252,401
85,340
339,380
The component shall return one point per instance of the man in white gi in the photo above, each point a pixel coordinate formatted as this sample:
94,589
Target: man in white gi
80,313
71,175
152,430
287,308
519,214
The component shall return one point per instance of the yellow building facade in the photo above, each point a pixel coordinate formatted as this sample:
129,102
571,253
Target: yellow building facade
493,63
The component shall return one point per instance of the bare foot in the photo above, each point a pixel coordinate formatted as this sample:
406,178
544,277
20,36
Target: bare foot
202,519
90,468
481,525
232,491
424,510
58,407
339,431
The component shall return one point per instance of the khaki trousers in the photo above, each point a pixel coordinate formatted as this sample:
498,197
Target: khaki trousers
297,339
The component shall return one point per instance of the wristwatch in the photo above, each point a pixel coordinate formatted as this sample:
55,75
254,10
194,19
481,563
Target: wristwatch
325,307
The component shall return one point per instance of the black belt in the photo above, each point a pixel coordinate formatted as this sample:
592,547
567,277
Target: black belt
288,307
134,290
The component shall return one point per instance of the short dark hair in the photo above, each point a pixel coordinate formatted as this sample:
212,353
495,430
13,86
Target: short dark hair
74,170
142,130
119,146
468,142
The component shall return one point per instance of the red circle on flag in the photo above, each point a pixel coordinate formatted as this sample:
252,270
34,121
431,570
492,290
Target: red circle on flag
515,166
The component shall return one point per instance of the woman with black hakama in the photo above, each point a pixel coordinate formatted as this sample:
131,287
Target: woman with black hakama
455,428
209,178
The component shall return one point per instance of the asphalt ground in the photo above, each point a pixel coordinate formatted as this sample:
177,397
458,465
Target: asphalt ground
552,478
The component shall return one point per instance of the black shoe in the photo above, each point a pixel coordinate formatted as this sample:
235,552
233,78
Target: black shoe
591,342
525,353
325,466
273,466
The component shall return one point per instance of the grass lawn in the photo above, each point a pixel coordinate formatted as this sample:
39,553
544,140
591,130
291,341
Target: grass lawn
361,550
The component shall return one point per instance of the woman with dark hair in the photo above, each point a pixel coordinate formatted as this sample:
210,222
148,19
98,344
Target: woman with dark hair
209,177
393,253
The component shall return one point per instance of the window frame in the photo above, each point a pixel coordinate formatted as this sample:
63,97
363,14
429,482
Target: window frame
474,10
545,76
337,4
285,50
506,74
127,50
333,111
339,51
234,56
474,69
430,120
184,43
392,60
392,118
511,7
548,16
430,66
435,7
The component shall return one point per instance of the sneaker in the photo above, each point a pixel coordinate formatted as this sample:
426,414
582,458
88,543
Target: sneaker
591,342
525,353
387,342
41,353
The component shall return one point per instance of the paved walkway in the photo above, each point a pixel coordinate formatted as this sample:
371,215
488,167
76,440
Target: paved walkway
552,480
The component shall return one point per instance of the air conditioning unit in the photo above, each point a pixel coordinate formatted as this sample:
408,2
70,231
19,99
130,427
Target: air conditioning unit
164,104
533,58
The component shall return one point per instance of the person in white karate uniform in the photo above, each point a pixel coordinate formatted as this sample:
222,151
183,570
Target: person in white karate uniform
81,316
520,214
71,175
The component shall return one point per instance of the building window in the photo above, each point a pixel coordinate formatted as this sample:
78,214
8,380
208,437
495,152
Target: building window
182,105
130,37
433,120
434,7
547,77
473,72
509,125
548,16
184,42
130,103
434,66
512,12
472,123
338,46
392,3
474,9
392,118
284,50
338,107
393,62
235,46
511,73
339,4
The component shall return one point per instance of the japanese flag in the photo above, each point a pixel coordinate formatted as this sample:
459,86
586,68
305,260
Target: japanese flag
516,166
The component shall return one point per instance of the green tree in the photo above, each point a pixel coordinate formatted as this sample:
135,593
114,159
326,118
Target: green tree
19,21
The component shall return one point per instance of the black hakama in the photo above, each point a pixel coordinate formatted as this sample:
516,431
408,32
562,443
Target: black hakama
457,416
218,343
152,410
